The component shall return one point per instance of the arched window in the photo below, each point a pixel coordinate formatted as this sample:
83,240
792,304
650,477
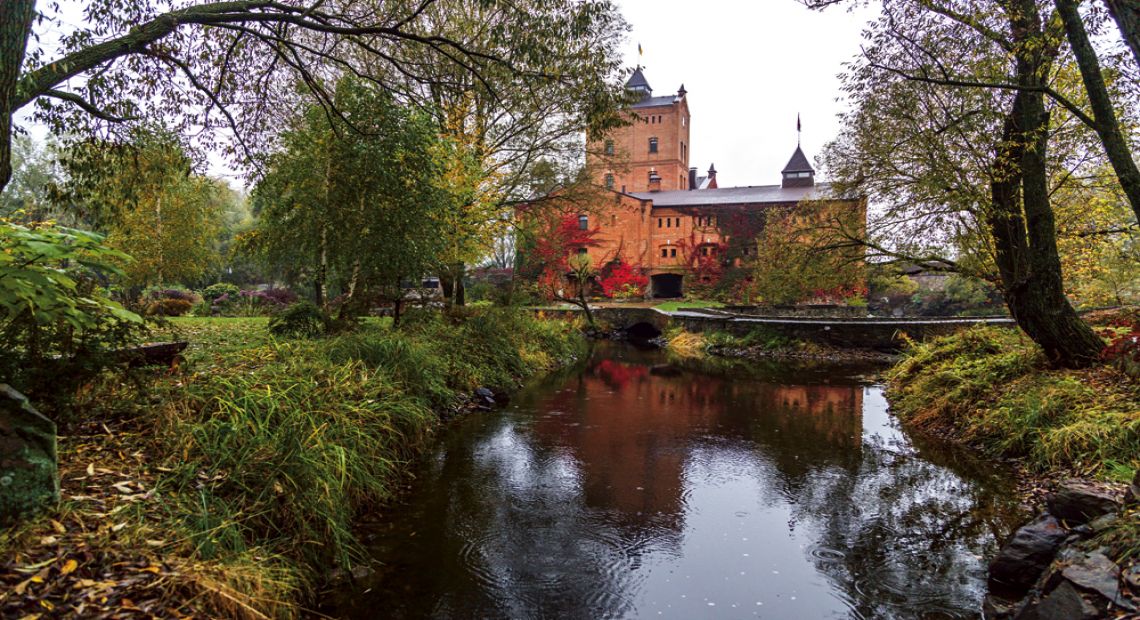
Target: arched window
583,223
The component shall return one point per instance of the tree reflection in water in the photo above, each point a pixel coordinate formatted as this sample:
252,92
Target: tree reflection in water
614,491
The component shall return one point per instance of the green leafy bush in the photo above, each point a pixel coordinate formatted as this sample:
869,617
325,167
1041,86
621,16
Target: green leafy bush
214,291
302,319
57,325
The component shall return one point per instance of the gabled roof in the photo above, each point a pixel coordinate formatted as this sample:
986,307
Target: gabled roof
637,81
798,163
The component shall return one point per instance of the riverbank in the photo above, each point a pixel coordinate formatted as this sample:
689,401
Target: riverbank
993,391
762,345
228,487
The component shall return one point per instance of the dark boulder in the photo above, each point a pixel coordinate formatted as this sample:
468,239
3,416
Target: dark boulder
1065,602
485,395
1096,573
1025,556
1078,502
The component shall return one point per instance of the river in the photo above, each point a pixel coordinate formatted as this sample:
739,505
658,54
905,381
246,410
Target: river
632,487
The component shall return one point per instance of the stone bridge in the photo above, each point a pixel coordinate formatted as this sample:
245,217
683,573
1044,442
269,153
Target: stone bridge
884,334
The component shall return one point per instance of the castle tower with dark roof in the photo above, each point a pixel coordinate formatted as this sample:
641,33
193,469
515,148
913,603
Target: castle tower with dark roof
656,142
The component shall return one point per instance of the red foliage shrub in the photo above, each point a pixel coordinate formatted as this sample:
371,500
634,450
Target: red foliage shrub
1123,350
623,281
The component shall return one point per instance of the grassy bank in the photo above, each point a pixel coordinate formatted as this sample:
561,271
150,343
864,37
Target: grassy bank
228,488
992,389
762,343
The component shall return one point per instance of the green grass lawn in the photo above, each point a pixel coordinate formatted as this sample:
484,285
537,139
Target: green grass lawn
678,304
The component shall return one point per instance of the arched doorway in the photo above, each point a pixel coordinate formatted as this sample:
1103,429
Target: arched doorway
666,285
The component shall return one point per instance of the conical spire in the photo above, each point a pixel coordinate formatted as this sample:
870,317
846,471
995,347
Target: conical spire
798,163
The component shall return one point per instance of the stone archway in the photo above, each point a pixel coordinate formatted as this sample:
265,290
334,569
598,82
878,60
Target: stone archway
667,285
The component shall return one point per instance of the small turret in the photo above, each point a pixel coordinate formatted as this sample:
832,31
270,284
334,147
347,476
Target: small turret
638,84
798,172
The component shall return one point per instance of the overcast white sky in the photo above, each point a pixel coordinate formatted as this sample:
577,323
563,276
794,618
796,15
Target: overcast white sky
750,66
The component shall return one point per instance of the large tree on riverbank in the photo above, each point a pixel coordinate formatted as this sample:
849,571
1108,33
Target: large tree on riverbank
968,119
233,64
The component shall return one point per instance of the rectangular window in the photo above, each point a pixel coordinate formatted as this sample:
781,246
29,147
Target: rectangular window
609,181
653,145
678,222
664,253
673,252
668,222
705,251
609,147
583,222
660,223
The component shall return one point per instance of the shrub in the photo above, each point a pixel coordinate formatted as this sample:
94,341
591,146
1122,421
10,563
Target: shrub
623,281
214,291
160,293
169,306
1123,350
302,319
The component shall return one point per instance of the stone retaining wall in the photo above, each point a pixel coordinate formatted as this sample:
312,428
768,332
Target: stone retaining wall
884,334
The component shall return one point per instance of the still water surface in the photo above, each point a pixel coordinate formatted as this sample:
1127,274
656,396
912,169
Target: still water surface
628,489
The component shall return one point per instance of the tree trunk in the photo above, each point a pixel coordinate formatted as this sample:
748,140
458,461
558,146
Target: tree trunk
446,285
397,305
460,291
1107,126
347,307
15,27
1022,219
584,303
321,281
1127,16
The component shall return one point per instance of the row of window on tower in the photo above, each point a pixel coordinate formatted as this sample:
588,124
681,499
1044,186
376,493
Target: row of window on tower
653,143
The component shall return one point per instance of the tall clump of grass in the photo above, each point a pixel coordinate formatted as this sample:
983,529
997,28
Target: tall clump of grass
274,449
992,388
685,344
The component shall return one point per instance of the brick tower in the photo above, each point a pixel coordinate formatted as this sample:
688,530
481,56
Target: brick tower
652,153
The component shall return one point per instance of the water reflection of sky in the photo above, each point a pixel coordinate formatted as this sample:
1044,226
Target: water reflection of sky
632,490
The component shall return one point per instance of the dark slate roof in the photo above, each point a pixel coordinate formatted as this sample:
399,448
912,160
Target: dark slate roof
798,163
650,102
735,195
637,81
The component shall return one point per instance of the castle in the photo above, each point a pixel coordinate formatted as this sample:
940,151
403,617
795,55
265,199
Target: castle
666,218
